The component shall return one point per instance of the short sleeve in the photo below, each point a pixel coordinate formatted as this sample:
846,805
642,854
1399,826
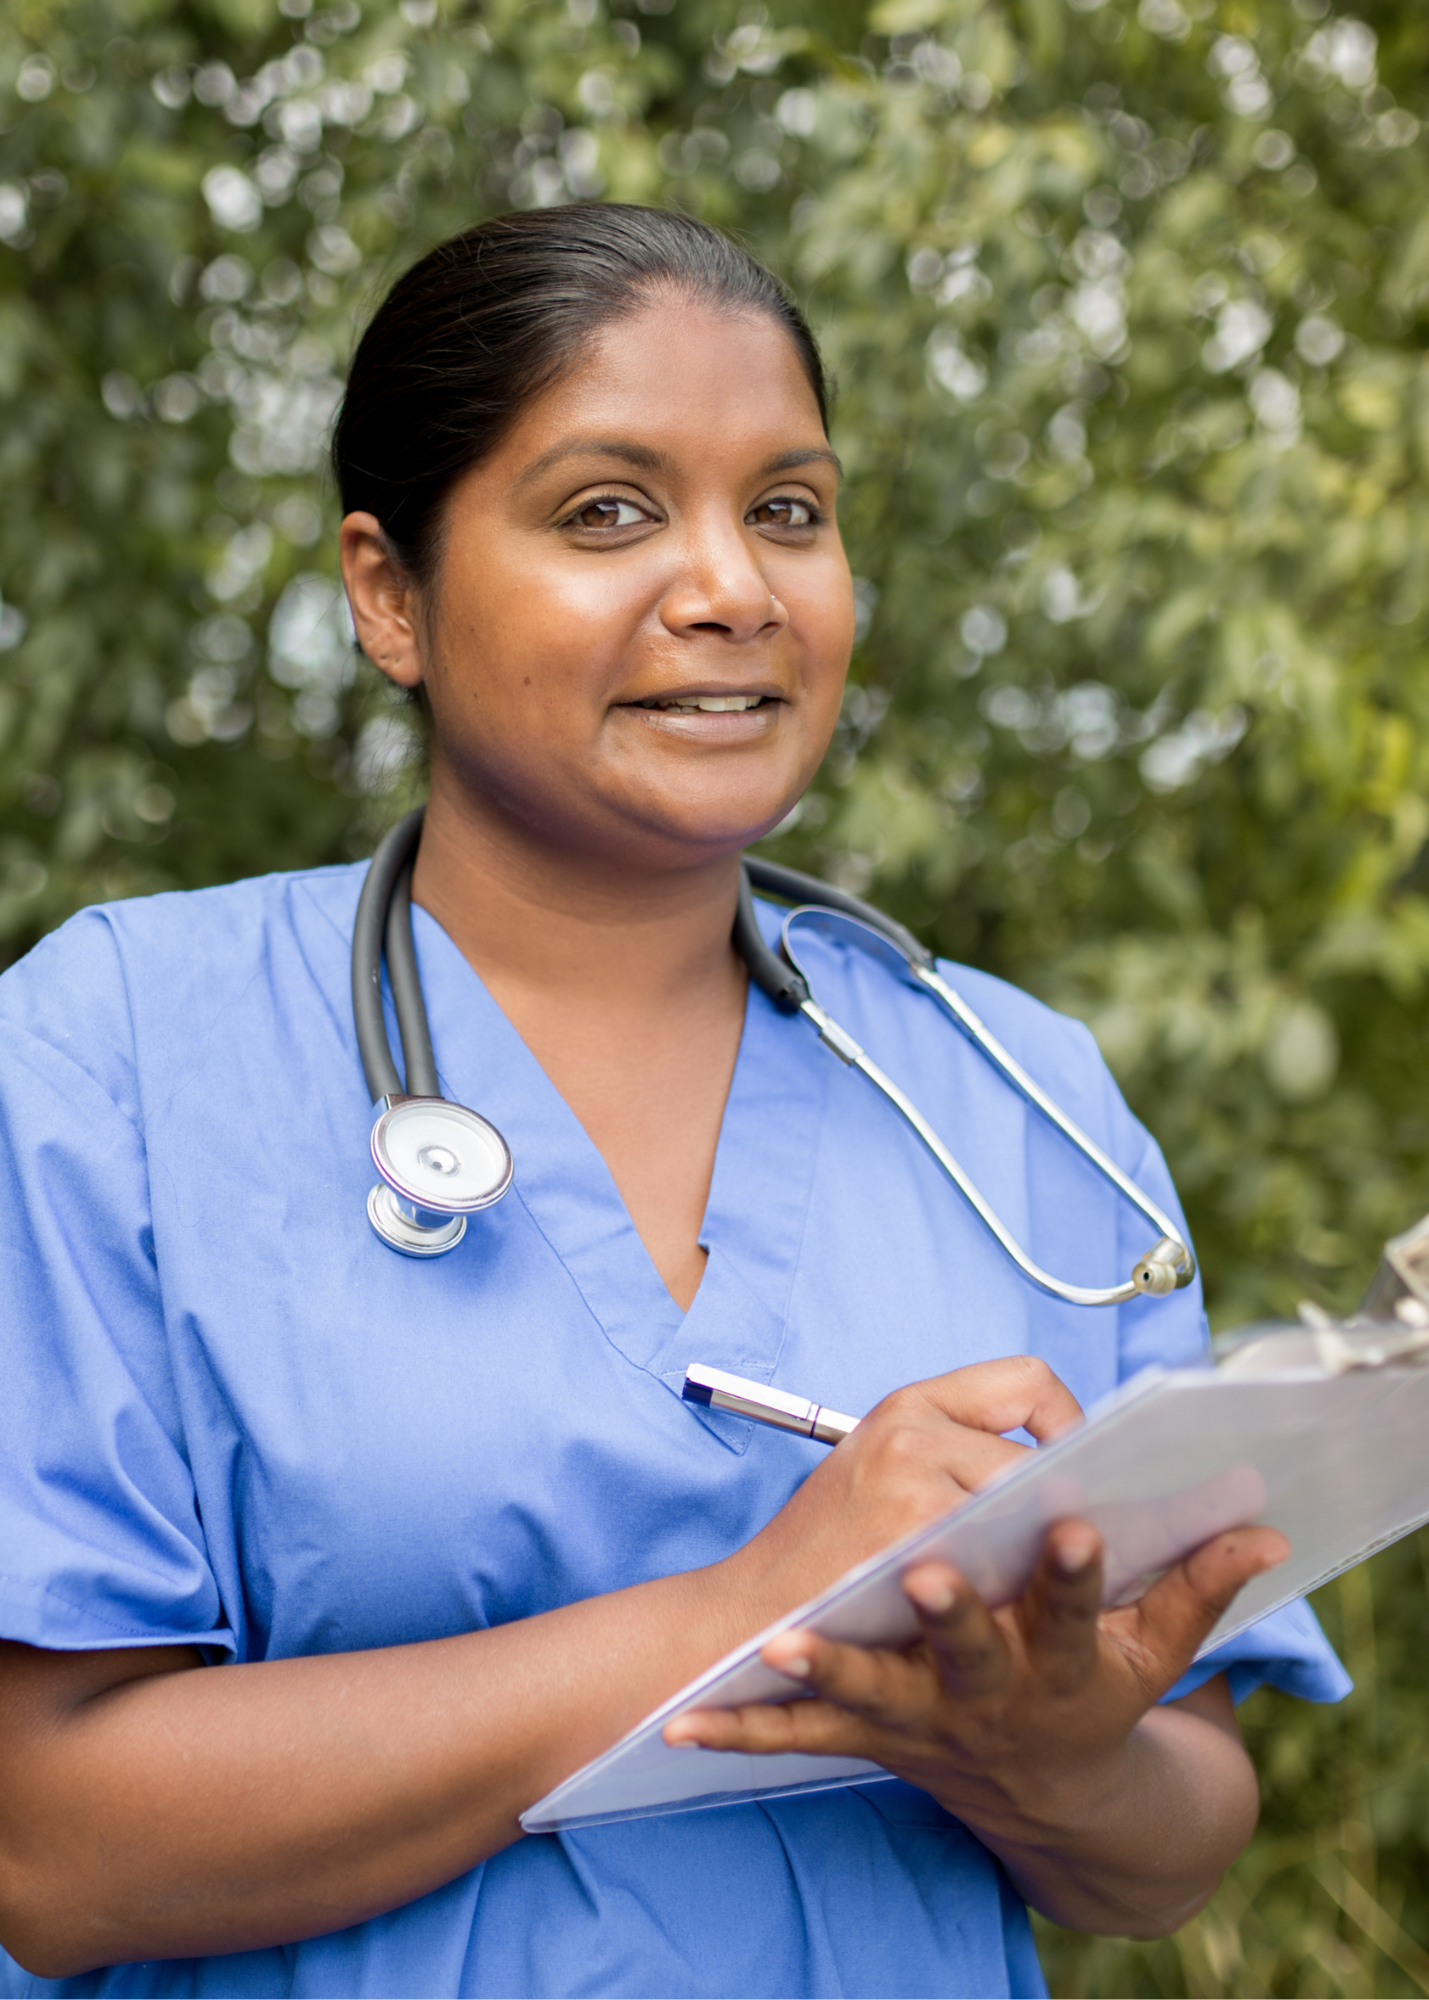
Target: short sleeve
100,1540
1285,1650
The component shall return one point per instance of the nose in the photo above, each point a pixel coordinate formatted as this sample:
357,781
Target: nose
720,588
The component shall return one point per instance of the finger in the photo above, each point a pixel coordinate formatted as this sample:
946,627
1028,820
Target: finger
1062,1604
872,1682
969,1458
1182,1607
772,1729
1018,1393
971,1654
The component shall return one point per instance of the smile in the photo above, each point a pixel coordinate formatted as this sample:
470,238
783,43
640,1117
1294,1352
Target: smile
705,704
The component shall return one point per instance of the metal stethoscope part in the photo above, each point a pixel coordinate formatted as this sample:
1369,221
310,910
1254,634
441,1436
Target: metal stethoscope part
440,1162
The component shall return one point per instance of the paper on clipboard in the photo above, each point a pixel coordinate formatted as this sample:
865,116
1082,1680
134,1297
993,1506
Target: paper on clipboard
1329,1449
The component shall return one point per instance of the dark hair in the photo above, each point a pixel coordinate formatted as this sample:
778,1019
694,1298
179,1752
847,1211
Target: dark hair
490,319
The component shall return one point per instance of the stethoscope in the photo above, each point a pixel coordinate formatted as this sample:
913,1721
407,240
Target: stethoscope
440,1162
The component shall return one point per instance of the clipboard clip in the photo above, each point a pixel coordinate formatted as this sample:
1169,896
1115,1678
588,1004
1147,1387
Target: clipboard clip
1390,1329
1344,1346
1399,1289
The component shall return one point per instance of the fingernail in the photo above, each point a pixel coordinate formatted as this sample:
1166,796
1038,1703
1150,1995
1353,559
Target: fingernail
934,1598
798,1669
1076,1554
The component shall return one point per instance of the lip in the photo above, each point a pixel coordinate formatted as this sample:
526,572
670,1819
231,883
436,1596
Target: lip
718,727
767,691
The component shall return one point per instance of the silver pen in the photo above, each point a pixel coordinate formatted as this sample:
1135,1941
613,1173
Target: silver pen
718,1391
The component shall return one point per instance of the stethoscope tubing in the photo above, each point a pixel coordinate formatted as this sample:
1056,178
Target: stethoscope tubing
848,1051
383,929
789,990
959,1011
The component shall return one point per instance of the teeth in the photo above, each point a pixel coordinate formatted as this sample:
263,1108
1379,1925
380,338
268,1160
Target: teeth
712,704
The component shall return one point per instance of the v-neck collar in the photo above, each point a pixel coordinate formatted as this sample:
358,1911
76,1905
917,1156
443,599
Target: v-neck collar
759,1193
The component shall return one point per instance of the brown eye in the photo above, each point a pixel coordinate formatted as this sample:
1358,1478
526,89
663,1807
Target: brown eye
784,514
608,514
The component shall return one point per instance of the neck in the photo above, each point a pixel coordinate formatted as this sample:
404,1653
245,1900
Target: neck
534,918
623,983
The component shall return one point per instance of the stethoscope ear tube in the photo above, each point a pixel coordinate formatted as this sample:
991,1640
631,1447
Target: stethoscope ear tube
785,986
843,920
393,855
791,887
412,1025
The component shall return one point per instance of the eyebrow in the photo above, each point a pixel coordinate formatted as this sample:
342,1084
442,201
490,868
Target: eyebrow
790,461
647,459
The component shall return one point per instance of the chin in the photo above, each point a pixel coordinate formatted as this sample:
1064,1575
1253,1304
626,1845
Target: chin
708,828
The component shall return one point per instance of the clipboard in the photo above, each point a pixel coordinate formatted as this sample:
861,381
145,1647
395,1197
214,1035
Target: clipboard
1319,1432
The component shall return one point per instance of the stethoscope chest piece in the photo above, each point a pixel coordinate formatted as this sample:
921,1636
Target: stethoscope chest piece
399,1231
439,1164
439,1161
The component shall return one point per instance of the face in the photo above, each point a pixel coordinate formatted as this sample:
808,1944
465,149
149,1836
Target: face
637,642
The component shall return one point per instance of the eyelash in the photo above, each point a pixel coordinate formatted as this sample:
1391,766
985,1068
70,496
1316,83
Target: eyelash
573,520
816,517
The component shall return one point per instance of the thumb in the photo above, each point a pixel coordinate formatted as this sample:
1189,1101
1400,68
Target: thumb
1181,1608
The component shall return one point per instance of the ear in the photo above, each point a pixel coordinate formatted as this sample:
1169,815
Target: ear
383,600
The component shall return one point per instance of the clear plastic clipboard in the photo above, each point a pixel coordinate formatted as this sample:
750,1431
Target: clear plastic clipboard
1318,1432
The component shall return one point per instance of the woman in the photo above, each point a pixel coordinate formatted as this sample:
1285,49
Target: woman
448,1519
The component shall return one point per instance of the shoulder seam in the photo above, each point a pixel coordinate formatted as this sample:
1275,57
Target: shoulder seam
79,1069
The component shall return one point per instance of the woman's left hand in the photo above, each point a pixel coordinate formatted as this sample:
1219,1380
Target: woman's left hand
1037,1725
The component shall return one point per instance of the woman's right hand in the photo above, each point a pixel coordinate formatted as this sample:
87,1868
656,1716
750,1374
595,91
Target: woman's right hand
919,1453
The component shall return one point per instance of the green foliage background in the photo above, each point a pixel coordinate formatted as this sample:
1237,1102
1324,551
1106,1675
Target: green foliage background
1128,308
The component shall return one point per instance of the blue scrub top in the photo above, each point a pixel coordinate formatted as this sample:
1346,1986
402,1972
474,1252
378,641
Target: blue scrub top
233,1417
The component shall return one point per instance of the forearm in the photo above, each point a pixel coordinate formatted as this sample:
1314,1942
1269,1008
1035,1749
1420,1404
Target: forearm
217,1810
1141,1854
220,1809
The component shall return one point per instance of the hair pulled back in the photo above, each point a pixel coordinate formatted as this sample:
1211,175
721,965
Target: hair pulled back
495,316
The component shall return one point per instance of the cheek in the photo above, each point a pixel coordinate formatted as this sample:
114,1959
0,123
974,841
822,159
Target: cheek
540,640
828,626
509,657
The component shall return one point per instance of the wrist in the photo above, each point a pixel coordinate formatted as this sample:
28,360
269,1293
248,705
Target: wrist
740,1596
1047,1798
1073,1795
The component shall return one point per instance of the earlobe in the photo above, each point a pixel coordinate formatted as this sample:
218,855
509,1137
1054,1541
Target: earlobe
397,657
381,599
402,665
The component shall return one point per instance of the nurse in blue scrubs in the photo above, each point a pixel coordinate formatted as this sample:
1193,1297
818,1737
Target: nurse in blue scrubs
319,1564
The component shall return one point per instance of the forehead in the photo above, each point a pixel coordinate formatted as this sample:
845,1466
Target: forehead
681,373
